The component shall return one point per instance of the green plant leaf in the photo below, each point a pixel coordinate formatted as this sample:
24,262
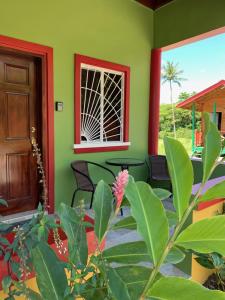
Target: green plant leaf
205,262
172,217
6,282
150,216
51,277
103,200
135,279
128,253
172,288
174,256
212,147
3,202
75,232
5,227
117,285
33,295
181,174
162,194
126,223
135,252
215,192
205,236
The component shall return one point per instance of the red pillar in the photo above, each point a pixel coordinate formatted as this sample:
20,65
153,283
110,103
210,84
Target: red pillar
154,101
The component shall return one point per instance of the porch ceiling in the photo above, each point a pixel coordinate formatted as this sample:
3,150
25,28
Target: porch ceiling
154,4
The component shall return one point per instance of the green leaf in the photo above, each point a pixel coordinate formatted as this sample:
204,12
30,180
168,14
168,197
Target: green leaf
135,252
3,202
173,288
33,295
162,194
181,174
174,256
128,253
212,147
103,200
117,285
76,234
172,217
127,223
51,277
6,282
4,227
135,279
215,192
205,236
205,262
150,216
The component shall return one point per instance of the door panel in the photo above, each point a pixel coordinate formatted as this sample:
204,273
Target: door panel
18,114
17,106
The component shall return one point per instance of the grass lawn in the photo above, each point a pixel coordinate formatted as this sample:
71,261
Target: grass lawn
185,141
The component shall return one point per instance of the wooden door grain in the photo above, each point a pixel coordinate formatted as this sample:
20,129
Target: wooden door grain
18,114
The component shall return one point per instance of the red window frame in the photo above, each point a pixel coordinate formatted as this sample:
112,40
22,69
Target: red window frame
81,59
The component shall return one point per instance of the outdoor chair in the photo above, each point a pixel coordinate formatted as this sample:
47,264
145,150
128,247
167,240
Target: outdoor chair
158,170
83,178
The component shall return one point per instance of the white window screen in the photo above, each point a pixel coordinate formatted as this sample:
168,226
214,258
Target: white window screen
102,102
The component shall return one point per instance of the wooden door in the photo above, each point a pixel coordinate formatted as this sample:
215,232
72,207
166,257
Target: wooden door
18,114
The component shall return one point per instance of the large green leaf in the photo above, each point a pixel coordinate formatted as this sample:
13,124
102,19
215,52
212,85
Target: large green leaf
32,295
215,192
212,147
135,252
103,200
131,224
75,232
205,236
126,223
50,274
172,217
174,288
134,279
162,194
117,285
181,174
150,216
128,253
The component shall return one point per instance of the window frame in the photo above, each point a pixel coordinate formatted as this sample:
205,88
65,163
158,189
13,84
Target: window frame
79,147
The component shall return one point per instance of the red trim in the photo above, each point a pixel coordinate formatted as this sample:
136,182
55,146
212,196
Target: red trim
100,149
204,205
47,54
200,94
78,60
154,100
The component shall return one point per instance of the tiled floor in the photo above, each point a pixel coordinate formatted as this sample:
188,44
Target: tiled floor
125,236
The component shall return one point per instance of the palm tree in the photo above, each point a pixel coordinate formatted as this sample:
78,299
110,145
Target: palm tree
171,74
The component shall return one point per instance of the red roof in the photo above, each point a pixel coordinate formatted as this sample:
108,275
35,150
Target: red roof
200,96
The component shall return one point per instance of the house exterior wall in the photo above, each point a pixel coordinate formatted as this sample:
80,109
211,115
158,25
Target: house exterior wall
113,30
184,19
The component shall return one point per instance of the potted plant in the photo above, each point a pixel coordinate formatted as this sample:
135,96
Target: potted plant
97,277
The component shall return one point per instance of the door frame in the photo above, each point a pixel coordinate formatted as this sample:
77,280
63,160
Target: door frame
46,55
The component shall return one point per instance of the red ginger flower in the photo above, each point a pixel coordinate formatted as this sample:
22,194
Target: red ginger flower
119,186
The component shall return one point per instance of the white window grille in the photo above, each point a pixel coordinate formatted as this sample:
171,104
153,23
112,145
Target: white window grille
102,102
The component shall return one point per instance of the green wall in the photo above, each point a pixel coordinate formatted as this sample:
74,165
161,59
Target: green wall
183,19
120,31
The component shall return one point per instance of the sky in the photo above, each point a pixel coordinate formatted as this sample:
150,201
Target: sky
203,64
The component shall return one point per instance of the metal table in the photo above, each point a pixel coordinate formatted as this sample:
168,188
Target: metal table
125,163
